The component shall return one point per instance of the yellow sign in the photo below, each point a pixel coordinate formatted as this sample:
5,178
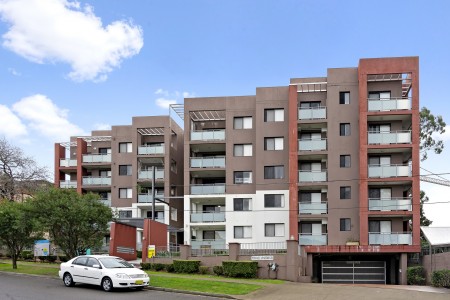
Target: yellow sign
151,251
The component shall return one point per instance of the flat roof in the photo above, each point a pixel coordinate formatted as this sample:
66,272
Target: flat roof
437,236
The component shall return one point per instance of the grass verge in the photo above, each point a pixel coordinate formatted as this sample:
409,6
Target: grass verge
33,269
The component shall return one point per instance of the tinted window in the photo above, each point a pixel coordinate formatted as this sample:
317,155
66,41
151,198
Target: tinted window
80,261
91,262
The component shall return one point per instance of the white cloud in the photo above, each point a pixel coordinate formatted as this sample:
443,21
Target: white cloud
10,125
102,126
14,72
169,98
45,117
62,31
445,136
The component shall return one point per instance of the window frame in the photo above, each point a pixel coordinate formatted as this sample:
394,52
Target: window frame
266,200
249,178
243,150
269,111
128,147
128,191
345,129
128,170
342,99
266,225
345,224
274,142
345,161
242,122
243,232
249,200
275,172
345,192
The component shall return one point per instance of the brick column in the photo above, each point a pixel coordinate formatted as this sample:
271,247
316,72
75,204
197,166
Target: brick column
402,268
185,251
292,261
233,252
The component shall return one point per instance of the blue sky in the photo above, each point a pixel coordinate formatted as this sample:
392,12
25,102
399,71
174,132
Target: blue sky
69,67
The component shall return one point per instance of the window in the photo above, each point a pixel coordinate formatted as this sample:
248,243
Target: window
274,115
344,129
91,262
274,200
243,150
271,230
159,215
243,123
379,95
380,226
125,193
242,204
242,177
346,192
124,170
125,147
274,172
310,104
242,232
173,214
173,166
344,98
124,214
275,143
105,173
345,224
104,150
345,161
80,261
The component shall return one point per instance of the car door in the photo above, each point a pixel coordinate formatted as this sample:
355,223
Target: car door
78,269
92,274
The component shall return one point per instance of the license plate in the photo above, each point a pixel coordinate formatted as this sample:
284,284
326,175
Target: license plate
139,282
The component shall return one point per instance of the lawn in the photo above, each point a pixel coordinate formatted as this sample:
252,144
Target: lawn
30,268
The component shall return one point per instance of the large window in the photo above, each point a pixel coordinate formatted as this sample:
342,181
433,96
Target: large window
379,95
242,204
104,150
242,232
124,170
274,115
274,172
344,129
274,200
272,230
125,147
273,143
125,193
241,177
124,214
346,192
243,150
243,123
345,224
345,161
344,98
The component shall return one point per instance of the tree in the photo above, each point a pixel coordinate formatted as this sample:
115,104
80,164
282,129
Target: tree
429,126
75,222
18,229
424,221
18,173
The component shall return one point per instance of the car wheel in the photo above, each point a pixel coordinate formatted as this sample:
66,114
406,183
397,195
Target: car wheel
68,280
107,284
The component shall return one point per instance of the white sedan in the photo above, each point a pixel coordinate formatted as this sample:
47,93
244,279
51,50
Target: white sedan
107,271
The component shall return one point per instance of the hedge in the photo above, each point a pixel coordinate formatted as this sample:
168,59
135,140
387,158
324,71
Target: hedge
416,275
186,266
204,270
245,269
218,270
441,278
27,255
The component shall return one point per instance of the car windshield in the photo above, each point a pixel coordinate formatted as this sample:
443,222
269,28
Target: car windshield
112,262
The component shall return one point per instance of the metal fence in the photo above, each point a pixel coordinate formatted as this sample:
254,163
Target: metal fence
209,252
263,248
167,251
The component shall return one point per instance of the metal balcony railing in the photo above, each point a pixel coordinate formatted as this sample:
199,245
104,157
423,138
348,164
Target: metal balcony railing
388,104
306,239
208,135
312,145
67,162
212,244
312,176
91,180
312,113
385,171
208,162
390,238
97,158
205,189
147,174
68,184
390,204
207,217
151,150
391,137
106,202
313,208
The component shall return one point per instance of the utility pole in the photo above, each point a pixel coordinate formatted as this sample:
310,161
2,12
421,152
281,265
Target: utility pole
153,193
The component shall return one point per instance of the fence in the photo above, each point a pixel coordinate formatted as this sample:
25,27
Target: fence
263,248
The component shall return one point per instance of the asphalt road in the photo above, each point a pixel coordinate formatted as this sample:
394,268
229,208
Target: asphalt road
23,287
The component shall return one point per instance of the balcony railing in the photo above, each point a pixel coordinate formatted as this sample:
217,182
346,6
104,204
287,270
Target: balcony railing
312,113
391,137
151,150
305,239
208,162
312,145
205,189
68,184
67,162
207,217
211,244
97,158
389,104
106,202
384,171
208,135
147,198
90,180
390,204
312,176
313,208
390,238
147,174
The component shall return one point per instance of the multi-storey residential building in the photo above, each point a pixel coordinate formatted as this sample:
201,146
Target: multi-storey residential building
117,164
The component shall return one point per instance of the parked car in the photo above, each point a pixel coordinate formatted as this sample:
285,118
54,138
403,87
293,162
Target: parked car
107,271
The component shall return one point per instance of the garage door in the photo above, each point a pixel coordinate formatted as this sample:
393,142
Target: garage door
354,272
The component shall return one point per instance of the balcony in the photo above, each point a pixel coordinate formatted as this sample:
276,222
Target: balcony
312,145
67,163
390,238
209,244
147,198
312,176
208,162
389,104
386,171
313,208
151,150
207,217
206,189
68,184
208,135
312,113
392,137
390,204
147,174
90,180
97,158
310,239
106,202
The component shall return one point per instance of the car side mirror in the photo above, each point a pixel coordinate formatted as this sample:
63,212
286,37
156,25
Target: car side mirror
96,266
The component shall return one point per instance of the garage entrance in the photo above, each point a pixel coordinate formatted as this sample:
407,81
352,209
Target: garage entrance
354,272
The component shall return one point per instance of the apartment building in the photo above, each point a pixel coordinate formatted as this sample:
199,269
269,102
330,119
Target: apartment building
117,164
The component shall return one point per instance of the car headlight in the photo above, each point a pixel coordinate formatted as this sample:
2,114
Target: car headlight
145,275
122,275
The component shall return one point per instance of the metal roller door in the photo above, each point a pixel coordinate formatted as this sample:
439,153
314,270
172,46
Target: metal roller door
354,272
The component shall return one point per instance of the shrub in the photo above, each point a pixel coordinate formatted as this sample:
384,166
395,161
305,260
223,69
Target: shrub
203,270
416,275
145,266
51,258
245,269
63,258
186,266
139,254
170,268
218,270
441,278
158,267
27,255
